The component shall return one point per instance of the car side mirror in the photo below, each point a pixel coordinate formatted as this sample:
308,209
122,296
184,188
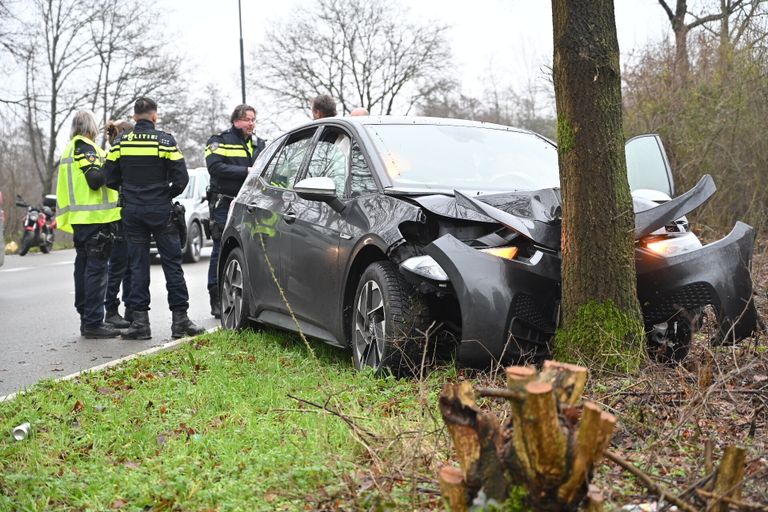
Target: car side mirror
319,188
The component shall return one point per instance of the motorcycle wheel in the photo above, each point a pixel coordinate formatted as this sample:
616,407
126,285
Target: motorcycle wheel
26,242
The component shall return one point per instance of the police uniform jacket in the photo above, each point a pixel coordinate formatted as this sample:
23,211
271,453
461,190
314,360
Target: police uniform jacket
228,156
80,193
146,166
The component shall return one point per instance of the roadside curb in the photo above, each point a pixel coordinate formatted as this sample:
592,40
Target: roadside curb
165,347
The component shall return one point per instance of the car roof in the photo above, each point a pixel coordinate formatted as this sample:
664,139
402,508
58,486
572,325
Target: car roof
361,121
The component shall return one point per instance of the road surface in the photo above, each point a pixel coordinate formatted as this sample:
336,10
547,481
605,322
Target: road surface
40,329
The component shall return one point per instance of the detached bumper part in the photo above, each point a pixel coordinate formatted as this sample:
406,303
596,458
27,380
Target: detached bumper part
717,274
508,308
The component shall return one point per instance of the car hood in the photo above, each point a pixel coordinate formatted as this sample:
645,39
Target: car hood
537,214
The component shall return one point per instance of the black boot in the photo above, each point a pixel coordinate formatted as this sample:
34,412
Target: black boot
128,314
213,291
114,319
183,326
139,329
99,331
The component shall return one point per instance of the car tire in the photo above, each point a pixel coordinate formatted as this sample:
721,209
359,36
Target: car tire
191,253
234,298
669,342
388,322
26,242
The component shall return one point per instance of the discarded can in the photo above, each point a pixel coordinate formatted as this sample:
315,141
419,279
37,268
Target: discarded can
21,432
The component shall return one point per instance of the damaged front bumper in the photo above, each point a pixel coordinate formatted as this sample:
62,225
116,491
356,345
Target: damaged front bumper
717,274
510,308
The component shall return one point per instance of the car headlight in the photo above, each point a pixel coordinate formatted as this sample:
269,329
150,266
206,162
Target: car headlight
672,244
425,266
508,253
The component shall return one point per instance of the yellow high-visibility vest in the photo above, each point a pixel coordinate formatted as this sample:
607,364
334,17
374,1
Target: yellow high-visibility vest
76,202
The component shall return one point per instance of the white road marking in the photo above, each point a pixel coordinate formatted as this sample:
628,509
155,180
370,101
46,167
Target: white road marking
16,269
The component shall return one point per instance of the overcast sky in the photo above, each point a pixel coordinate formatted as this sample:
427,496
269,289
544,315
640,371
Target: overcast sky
513,38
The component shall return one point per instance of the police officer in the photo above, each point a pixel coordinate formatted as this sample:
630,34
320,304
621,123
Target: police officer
149,170
88,210
228,157
118,272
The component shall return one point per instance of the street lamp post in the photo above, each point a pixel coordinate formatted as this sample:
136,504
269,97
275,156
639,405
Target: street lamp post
242,60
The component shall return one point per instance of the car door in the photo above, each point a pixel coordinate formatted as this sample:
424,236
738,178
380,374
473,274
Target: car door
647,165
314,278
267,200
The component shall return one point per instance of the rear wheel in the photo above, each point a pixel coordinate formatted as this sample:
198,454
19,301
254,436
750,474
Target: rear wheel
26,242
194,244
234,299
669,342
387,322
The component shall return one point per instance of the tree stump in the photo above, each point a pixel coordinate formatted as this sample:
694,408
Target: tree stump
549,446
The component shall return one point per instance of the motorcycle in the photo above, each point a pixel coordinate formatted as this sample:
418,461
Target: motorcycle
39,223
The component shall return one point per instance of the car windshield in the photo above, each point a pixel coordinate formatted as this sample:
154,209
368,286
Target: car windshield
482,158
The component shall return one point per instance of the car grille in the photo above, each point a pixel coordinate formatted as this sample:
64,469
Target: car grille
686,298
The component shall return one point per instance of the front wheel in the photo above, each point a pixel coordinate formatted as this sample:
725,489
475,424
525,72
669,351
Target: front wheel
26,242
669,342
194,244
47,243
234,298
388,322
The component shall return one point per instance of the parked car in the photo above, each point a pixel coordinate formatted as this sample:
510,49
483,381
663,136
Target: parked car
2,231
374,227
197,213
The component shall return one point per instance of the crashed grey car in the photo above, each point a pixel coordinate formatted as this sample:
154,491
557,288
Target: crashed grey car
378,233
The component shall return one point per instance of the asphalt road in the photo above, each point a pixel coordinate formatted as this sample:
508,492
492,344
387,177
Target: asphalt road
40,330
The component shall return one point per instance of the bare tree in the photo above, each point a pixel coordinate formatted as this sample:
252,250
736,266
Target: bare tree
78,55
681,27
602,320
362,52
129,63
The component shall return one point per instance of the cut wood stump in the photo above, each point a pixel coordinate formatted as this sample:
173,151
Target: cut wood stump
549,446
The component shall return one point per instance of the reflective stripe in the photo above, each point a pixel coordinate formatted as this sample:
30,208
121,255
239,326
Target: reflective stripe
138,152
87,207
73,206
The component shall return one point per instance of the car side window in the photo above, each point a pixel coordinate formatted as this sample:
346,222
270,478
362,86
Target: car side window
283,168
361,180
330,159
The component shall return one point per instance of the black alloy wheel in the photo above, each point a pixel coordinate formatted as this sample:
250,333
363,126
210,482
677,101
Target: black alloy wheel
387,322
194,244
669,342
234,301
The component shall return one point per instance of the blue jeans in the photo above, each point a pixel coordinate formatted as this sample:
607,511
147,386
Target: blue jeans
118,272
220,217
90,274
142,222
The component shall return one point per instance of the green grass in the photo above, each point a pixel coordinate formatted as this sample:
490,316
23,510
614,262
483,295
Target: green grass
210,426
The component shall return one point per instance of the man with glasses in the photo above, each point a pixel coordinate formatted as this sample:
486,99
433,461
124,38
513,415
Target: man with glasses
228,156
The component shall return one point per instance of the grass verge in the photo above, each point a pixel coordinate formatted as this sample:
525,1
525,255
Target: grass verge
231,421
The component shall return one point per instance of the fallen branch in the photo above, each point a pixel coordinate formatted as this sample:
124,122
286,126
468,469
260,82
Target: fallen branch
744,505
648,482
346,419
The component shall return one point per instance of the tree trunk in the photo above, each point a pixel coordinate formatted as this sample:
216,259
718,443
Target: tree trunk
598,269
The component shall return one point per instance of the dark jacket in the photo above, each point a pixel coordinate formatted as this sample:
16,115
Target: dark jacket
146,166
228,156
88,159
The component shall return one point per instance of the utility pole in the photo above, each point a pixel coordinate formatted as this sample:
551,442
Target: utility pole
242,60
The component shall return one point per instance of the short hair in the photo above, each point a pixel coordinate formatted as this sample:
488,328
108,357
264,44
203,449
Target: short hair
143,106
84,124
324,104
240,111
116,128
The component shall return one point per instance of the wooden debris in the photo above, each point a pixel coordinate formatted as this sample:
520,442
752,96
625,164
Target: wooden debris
728,479
453,488
549,445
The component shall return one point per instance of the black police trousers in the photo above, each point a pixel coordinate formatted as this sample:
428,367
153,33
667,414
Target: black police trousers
141,222
92,246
